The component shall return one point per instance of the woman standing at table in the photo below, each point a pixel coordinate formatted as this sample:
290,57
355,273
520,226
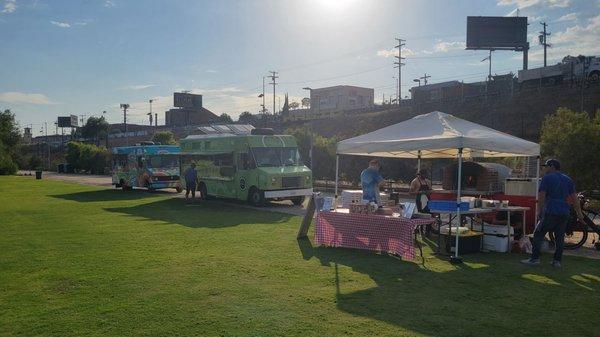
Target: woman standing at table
420,187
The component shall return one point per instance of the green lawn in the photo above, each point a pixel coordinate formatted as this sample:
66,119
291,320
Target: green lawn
81,260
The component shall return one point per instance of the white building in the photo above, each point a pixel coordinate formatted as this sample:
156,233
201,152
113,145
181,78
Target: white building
325,102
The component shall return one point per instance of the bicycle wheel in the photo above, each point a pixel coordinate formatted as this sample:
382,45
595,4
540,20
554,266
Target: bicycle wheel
573,240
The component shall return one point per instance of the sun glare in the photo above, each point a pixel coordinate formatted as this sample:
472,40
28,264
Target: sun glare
334,5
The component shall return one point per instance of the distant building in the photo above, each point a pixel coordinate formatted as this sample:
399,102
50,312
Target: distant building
456,91
328,101
188,111
436,91
298,115
27,136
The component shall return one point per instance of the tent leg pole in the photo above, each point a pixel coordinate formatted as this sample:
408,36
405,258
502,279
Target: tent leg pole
419,161
458,195
337,166
537,187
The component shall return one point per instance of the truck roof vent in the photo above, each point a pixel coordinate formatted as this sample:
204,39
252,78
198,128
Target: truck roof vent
262,132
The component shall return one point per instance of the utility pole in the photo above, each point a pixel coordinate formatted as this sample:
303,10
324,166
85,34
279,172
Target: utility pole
47,143
424,78
273,79
489,58
544,40
263,97
399,65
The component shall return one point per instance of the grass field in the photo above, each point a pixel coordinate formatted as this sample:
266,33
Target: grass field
81,260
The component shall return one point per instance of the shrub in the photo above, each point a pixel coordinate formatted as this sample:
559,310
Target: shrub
87,157
7,165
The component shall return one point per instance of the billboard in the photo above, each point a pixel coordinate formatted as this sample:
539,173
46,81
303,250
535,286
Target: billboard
496,32
67,122
187,100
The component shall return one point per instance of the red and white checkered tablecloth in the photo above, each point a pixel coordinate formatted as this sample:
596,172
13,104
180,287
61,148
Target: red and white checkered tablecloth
368,231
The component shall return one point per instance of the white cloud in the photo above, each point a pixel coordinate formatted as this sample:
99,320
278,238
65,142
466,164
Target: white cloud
559,3
394,52
25,98
522,4
61,24
568,17
109,3
64,24
443,46
137,87
211,71
9,6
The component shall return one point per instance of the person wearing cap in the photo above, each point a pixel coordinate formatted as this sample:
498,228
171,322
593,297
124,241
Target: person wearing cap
556,192
420,187
371,180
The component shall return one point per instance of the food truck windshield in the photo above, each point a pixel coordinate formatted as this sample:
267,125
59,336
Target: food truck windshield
276,156
162,161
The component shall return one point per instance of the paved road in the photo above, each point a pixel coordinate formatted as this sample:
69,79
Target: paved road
282,207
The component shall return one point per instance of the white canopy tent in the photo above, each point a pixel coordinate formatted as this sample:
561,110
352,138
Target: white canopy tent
437,135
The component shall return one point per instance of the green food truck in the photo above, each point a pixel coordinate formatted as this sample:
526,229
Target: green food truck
252,167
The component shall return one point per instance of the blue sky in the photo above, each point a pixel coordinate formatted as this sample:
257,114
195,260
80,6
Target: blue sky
85,57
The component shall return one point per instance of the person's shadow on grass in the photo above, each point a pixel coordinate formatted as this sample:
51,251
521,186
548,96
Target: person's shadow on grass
490,294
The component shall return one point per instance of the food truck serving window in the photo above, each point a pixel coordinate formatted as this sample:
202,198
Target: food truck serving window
162,161
276,156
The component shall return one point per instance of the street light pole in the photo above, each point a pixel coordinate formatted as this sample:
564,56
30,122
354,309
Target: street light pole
125,106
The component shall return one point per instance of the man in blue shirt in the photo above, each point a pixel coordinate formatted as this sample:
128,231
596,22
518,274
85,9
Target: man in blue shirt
191,179
370,179
556,192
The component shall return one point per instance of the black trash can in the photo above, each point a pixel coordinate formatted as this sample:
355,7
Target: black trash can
38,175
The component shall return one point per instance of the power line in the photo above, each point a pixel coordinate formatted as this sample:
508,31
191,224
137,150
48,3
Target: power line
336,77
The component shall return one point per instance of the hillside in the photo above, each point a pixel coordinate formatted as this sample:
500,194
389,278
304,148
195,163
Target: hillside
520,114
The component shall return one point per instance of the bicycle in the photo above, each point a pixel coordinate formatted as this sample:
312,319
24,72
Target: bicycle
576,233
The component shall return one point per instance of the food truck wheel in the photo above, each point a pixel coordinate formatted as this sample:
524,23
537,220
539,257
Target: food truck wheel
124,186
297,200
256,197
178,189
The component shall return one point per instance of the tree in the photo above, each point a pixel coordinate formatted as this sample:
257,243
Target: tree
94,128
294,105
574,139
247,118
10,138
87,157
306,102
164,138
225,119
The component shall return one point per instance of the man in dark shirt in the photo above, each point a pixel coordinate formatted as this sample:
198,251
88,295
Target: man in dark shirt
556,192
191,176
